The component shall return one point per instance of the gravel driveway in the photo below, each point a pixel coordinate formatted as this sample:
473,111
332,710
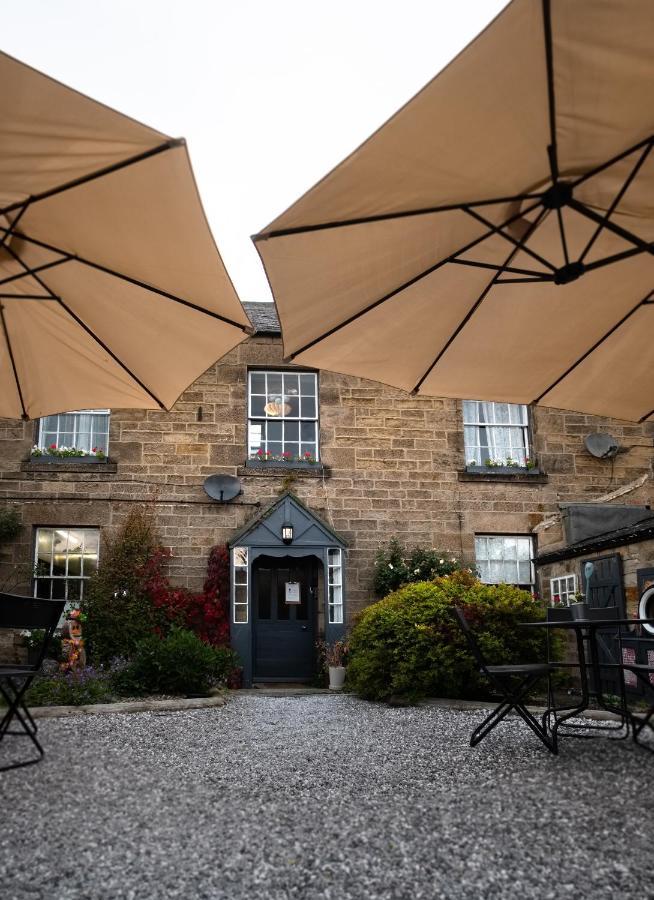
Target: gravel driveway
322,797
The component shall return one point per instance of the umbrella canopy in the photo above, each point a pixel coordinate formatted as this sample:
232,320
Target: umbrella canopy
112,291
493,240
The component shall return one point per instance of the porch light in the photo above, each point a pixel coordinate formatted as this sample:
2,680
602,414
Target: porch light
287,533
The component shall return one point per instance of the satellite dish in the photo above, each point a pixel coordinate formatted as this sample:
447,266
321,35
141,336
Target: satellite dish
601,446
222,488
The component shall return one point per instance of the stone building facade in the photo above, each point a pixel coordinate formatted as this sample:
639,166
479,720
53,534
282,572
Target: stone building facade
390,465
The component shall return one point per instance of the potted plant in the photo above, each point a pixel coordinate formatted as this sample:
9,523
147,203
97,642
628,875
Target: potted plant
335,657
579,607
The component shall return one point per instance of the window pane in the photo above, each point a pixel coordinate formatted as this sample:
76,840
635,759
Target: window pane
308,385
275,448
257,406
291,431
257,382
469,410
240,613
309,407
274,382
274,431
308,432
291,383
240,556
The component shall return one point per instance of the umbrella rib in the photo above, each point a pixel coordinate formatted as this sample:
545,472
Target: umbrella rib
597,343
498,268
584,210
612,161
600,263
508,237
12,361
478,302
99,173
403,287
543,280
5,237
148,287
28,271
564,243
26,297
552,152
385,217
618,197
91,333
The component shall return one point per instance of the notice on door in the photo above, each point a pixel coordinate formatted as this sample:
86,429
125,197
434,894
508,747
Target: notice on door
293,592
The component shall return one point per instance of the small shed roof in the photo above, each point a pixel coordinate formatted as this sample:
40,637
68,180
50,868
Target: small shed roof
263,317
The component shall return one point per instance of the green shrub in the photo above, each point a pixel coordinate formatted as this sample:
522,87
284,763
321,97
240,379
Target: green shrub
117,605
410,644
179,663
395,565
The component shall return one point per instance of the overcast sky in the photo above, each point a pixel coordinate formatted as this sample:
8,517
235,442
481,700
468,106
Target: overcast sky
270,94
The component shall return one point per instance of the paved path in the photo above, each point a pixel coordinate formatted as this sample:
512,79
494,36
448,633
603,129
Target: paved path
322,797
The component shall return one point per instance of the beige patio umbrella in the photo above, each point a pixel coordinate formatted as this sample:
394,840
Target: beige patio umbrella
493,240
112,291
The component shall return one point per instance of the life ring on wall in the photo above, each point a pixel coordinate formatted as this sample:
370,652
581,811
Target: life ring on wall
646,608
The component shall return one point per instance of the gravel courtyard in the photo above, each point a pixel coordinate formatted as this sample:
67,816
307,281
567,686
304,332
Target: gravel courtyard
322,797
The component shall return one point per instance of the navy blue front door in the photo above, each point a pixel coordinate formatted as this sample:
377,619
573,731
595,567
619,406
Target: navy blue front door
284,633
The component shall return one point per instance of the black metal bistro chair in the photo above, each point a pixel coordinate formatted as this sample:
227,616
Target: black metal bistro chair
512,682
34,614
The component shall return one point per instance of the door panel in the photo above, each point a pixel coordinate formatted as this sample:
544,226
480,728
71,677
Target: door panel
284,634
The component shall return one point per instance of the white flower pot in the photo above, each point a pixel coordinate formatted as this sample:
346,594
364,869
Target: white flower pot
336,678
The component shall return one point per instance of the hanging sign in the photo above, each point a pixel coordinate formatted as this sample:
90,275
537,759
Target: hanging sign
293,592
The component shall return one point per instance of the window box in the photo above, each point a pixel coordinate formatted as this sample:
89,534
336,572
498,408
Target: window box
503,473
75,460
304,470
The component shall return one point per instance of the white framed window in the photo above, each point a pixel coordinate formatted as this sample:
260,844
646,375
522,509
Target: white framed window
335,585
64,560
283,415
85,429
505,559
564,587
495,433
240,585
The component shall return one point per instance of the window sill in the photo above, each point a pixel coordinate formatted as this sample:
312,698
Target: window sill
53,464
277,468
503,473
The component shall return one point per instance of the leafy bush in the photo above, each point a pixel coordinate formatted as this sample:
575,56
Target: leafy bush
206,613
118,607
179,663
72,688
410,643
395,565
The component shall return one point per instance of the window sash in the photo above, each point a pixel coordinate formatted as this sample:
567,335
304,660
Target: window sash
240,593
505,559
563,586
64,560
495,431
83,429
288,432
335,586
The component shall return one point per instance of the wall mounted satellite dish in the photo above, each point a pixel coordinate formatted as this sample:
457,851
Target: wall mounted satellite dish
222,488
601,446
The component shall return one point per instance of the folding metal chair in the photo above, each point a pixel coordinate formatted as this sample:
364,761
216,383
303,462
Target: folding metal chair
24,613
513,682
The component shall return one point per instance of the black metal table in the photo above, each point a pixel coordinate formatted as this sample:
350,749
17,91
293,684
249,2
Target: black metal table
586,634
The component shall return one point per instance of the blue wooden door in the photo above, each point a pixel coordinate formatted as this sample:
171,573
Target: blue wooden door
284,633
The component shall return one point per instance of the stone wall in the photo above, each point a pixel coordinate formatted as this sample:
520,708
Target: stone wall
393,466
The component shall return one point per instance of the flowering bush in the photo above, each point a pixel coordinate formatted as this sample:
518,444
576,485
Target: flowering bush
508,463
395,565
74,687
66,452
286,457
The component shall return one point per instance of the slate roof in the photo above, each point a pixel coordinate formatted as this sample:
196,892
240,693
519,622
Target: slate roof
632,534
264,317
